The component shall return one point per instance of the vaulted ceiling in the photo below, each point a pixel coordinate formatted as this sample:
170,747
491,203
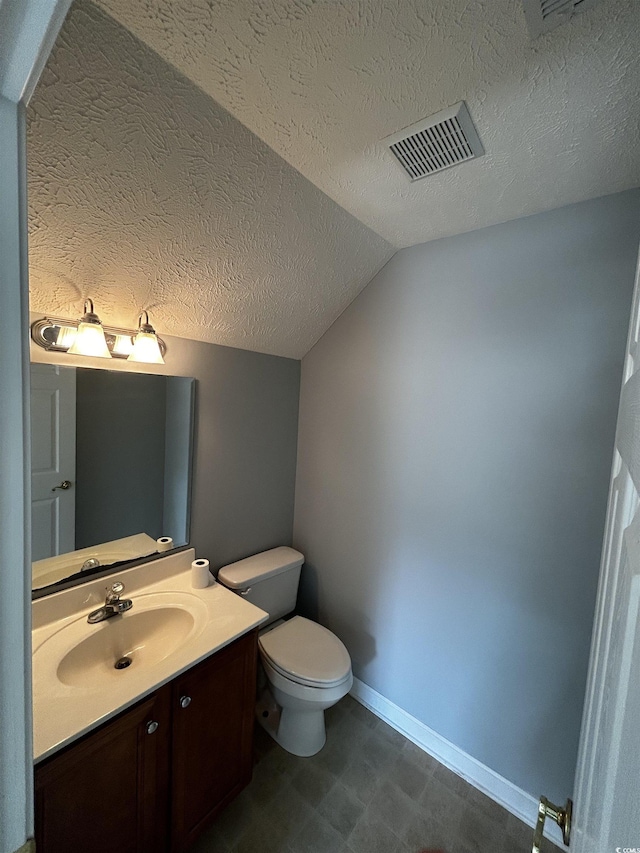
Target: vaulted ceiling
144,193
221,162
324,82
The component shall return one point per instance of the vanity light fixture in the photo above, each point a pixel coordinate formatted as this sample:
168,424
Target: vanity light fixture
146,347
90,339
58,335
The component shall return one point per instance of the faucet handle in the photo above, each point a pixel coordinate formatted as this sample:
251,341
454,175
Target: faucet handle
113,594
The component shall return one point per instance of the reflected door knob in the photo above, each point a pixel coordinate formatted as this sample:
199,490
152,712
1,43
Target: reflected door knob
185,701
64,485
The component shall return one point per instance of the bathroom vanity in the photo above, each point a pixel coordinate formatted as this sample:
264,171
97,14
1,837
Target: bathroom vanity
141,761
153,777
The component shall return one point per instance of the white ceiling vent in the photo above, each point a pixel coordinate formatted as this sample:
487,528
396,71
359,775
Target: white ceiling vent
545,15
436,143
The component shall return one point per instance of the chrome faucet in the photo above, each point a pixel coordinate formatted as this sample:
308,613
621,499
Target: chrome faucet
113,605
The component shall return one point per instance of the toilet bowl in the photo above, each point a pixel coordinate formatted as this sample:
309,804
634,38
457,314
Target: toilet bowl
306,667
308,670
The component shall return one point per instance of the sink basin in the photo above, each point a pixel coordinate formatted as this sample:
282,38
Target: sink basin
158,625
143,639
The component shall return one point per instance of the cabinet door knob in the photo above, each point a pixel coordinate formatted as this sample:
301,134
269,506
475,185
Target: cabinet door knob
151,727
185,701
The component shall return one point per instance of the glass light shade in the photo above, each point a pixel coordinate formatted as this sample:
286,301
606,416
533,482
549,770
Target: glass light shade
123,345
146,348
90,340
66,336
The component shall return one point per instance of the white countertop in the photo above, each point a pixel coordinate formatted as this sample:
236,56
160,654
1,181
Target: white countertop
63,713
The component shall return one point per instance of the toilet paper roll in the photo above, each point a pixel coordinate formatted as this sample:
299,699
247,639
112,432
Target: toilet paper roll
200,577
165,543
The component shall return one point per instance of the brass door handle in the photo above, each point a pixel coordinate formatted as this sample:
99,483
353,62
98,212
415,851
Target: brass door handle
64,485
562,817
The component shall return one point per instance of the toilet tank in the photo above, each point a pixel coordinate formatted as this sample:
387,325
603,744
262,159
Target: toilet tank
269,580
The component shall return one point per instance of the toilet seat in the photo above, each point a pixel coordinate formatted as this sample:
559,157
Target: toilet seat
306,653
306,682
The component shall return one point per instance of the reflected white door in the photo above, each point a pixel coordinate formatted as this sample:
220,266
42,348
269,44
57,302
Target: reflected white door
53,460
607,813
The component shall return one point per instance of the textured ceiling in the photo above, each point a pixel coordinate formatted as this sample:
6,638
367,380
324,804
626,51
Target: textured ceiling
145,193
323,81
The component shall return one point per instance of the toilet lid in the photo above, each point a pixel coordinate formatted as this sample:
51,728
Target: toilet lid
306,652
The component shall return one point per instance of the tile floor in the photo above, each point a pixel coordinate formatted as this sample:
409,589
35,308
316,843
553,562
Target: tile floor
370,790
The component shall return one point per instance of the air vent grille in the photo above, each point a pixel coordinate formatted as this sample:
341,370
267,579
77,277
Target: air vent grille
436,143
545,15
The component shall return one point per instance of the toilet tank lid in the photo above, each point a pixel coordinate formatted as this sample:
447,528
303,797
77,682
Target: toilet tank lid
259,567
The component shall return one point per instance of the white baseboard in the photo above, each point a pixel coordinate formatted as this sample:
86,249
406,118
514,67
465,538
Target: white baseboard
504,792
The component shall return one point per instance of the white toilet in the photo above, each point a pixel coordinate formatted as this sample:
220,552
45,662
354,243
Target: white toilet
308,669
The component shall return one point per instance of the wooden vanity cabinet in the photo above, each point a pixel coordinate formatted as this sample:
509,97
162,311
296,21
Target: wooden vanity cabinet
212,749
136,787
110,790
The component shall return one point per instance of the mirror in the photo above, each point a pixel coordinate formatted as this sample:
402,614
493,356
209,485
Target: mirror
111,468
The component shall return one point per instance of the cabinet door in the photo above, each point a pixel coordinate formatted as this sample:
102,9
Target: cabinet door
109,791
213,718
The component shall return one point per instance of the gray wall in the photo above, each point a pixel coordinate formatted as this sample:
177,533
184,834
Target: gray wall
120,455
455,442
178,458
245,448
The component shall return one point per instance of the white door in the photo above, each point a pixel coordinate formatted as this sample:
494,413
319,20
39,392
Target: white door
53,460
607,791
